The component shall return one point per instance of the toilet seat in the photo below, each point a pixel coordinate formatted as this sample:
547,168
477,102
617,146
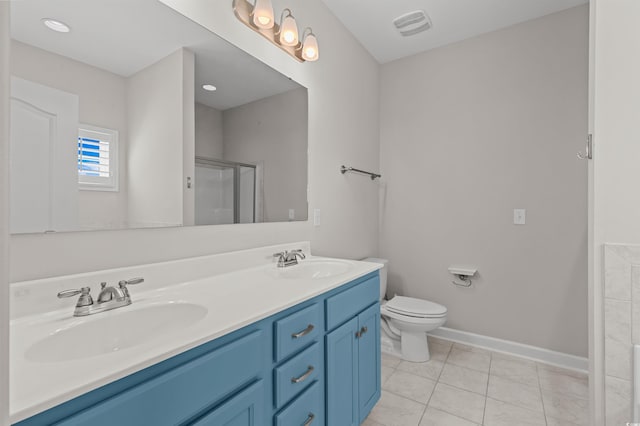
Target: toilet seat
416,308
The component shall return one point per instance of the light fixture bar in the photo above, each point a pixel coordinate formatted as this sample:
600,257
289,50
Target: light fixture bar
242,9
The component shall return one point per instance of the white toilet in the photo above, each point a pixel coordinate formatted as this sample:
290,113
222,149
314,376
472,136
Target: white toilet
405,322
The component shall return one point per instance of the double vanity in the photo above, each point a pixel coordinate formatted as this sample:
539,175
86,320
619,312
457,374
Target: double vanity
228,339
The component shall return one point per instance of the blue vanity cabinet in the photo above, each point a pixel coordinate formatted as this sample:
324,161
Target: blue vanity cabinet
244,409
353,356
299,370
342,375
302,366
307,409
176,396
369,359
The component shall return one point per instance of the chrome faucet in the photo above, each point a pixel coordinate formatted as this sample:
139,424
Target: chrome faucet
289,258
109,297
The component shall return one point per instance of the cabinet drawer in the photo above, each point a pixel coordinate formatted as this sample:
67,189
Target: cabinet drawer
245,409
347,304
307,409
296,374
177,395
297,330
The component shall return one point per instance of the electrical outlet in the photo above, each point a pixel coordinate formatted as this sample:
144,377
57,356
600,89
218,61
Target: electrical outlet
519,216
292,214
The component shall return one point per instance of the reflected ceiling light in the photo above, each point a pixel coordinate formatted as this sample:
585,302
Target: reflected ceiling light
209,87
262,14
259,17
309,46
288,34
55,25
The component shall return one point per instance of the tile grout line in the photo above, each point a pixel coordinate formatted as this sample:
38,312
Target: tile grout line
437,381
486,396
544,411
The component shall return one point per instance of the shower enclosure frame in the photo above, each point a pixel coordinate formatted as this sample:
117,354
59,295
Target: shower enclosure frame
205,161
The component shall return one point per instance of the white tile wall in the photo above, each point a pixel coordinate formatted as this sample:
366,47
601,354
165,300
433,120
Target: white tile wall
621,328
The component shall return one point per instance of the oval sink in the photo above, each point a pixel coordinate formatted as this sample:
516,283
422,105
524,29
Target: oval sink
115,331
312,269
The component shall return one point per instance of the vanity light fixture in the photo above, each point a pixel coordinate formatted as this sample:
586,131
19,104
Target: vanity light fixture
284,35
262,14
288,34
209,87
56,25
309,46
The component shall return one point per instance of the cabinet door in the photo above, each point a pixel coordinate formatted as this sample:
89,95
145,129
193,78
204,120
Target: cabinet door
181,393
342,372
244,409
368,360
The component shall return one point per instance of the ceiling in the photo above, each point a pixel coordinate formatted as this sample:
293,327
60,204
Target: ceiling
370,21
110,35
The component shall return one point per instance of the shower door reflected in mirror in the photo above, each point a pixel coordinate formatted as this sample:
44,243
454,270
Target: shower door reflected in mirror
225,192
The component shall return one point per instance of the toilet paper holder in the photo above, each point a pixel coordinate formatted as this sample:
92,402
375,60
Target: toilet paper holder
463,273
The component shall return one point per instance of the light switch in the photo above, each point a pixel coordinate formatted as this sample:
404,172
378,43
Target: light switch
519,216
316,217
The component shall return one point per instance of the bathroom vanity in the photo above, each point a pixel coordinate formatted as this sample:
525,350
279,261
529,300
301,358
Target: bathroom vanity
273,346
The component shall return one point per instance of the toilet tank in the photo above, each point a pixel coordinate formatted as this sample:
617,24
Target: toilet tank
383,274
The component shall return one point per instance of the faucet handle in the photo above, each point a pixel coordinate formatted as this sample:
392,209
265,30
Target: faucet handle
281,256
299,251
70,293
85,298
130,281
124,283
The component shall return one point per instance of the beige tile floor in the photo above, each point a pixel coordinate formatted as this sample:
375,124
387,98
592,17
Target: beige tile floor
465,386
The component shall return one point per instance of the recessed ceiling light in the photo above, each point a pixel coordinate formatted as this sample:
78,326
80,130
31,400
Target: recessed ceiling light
54,25
209,87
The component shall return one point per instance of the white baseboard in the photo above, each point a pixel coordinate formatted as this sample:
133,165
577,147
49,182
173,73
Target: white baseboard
534,353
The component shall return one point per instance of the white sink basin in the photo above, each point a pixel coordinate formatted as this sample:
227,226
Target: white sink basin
312,269
114,331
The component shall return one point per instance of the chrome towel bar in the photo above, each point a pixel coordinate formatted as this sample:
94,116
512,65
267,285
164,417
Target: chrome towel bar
344,170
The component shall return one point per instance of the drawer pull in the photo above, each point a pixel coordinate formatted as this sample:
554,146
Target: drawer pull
361,332
304,376
310,419
304,332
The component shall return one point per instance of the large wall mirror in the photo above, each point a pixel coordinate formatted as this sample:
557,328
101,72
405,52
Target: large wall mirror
112,125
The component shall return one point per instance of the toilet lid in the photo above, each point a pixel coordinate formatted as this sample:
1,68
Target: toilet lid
415,307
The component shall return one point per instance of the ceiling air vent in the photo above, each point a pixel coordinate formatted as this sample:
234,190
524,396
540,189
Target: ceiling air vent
412,23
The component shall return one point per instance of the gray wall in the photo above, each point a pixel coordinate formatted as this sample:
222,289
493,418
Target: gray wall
272,132
469,132
208,132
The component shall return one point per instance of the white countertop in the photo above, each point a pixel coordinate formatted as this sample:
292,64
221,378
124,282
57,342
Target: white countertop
233,299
